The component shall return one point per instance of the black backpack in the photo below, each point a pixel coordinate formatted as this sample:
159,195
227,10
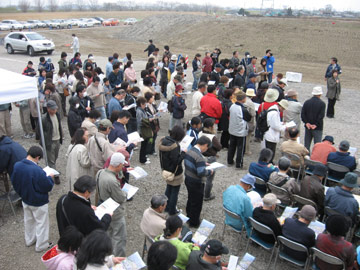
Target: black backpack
261,123
170,106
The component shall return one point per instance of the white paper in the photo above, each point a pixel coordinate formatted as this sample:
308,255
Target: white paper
49,171
126,108
232,262
160,64
166,68
130,190
138,173
257,105
211,82
230,79
293,77
325,189
203,232
134,137
183,218
352,151
215,166
133,262
119,142
290,124
317,226
88,104
106,207
245,262
157,89
289,212
163,106
186,141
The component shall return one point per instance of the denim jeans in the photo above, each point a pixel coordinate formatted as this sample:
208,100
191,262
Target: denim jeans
312,134
270,77
101,109
195,83
172,193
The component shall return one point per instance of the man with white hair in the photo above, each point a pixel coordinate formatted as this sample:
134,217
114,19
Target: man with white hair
153,220
110,187
265,215
312,114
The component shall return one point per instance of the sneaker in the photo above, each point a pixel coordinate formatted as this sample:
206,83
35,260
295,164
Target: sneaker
27,136
136,148
147,162
178,211
50,245
32,135
57,180
154,154
212,196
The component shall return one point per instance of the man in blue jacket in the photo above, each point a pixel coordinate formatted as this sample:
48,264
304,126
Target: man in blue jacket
10,153
333,66
270,60
33,186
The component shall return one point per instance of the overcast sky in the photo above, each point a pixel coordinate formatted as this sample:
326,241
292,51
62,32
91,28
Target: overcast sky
341,5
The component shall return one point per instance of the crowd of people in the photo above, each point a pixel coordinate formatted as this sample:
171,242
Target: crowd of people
238,98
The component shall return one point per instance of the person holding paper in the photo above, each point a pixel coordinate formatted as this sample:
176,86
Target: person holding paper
74,118
224,120
89,122
333,243
10,153
130,101
171,158
172,231
261,70
207,63
240,77
110,187
179,107
144,128
293,147
152,113
195,173
197,96
33,186
95,253
116,75
210,105
96,92
114,103
293,112
74,208
193,128
215,74
196,65
86,104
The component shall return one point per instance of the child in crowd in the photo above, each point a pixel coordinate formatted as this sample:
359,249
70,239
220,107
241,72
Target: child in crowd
193,128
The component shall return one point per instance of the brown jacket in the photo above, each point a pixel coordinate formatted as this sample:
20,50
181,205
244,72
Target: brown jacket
153,223
312,188
293,147
93,91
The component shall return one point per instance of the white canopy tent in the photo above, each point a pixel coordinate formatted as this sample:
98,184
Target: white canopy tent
16,87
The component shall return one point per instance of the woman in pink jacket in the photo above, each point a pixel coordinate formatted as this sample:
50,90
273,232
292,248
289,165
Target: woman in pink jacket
61,256
207,63
130,73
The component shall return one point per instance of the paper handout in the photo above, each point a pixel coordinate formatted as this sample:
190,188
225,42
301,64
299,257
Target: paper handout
106,207
243,264
289,212
134,137
183,218
290,124
138,173
352,151
203,232
215,166
317,226
133,262
126,108
185,143
130,190
49,171
163,106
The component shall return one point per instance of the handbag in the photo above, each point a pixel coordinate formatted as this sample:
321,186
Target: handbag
66,92
169,176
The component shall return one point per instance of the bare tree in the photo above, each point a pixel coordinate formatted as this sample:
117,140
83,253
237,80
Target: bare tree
67,6
80,5
39,5
93,4
24,5
53,5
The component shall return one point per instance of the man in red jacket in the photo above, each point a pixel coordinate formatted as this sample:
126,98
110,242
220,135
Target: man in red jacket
210,105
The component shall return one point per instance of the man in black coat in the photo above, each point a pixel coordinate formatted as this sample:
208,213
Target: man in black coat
151,48
240,77
215,74
75,208
74,118
312,114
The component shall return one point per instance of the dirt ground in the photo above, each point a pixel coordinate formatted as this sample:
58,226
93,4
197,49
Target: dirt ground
104,41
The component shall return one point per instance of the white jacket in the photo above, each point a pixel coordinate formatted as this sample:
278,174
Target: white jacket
196,108
275,125
170,90
78,163
108,265
237,125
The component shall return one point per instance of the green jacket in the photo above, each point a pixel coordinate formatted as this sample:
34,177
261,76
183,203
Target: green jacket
183,249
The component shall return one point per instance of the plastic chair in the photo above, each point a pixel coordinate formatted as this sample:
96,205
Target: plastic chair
11,197
256,239
336,168
280,191
316,253
234,216
261,182
145,247
301,201
285,242
294,157
308,164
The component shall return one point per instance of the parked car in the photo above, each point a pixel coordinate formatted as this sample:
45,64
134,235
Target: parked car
94,21
74,22
27,25
130,21
30,42
99,19
47,23
4,27
14,25
111,22
37,23
56,23
85,23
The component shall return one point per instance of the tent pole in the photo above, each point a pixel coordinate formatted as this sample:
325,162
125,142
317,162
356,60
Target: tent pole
41,130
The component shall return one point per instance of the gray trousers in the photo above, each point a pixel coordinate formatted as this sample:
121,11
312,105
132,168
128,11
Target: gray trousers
209,180
176,122
312,134
117,232
5,123
25,119
52,152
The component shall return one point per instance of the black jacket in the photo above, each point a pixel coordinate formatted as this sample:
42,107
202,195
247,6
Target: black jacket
150,49
239,80
48,129
267,218
281,93
224,120
313,112
79,214
74,120
214,76
130,99
83,105
171,155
